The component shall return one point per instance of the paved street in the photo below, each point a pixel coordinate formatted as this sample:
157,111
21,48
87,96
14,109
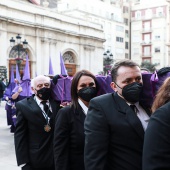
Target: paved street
7,153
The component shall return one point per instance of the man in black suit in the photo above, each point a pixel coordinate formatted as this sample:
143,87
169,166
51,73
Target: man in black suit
114,130
35,127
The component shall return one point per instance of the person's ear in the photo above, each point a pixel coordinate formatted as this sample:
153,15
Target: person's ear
32,88
113,86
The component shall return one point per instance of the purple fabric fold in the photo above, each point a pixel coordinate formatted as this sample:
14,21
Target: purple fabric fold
8,90
12,75
17,74
26,70
51,72
151,84
25,83
61,91
58,90
147,96
154,77
62,65
104,84
14,120
159,82
67,88
11,85
26,88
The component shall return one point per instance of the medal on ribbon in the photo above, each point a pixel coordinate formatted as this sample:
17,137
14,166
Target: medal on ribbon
47,128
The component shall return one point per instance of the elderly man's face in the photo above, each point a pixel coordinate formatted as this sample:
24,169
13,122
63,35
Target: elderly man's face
41,82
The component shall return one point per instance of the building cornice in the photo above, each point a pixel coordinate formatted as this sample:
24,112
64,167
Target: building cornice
50,21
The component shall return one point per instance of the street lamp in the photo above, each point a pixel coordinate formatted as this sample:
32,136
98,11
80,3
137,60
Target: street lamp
107,61
20,47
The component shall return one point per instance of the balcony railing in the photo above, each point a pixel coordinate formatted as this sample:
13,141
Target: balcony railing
146,55
144,30
146,43
148,17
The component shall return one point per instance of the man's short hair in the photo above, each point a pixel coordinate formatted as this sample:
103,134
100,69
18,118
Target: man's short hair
125,63
34,81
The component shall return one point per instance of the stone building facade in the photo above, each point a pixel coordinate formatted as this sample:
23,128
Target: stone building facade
48,34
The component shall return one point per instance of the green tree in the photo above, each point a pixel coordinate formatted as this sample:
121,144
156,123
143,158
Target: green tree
151,67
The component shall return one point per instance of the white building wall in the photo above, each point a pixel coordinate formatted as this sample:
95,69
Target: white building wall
159,27
49,33
102,13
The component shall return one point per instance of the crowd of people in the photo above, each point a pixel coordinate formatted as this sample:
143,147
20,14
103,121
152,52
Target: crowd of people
114,131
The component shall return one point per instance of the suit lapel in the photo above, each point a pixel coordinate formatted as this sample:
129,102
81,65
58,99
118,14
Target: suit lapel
135,122
53,107
80,115
132,119
36,109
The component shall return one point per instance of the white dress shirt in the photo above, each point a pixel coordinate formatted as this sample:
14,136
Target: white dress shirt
83,106
142,115
41,105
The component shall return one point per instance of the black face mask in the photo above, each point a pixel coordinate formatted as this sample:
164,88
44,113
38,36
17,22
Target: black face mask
87,93
44,93
131,92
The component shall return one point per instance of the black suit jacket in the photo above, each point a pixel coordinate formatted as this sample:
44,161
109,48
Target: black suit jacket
2,89
32,144
69,139
113,135
156,150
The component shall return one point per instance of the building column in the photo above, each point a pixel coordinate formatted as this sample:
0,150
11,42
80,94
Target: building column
45,57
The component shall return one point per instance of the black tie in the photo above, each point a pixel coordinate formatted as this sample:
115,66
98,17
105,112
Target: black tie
46,108
134,108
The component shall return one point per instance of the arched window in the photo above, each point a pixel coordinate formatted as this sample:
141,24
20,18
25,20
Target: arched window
18,52
70,63
17,56
68,57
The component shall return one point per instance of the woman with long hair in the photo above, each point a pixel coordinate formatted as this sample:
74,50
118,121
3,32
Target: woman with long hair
156,149
69,125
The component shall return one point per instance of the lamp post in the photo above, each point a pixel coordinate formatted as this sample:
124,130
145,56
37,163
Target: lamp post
107,61
19,47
